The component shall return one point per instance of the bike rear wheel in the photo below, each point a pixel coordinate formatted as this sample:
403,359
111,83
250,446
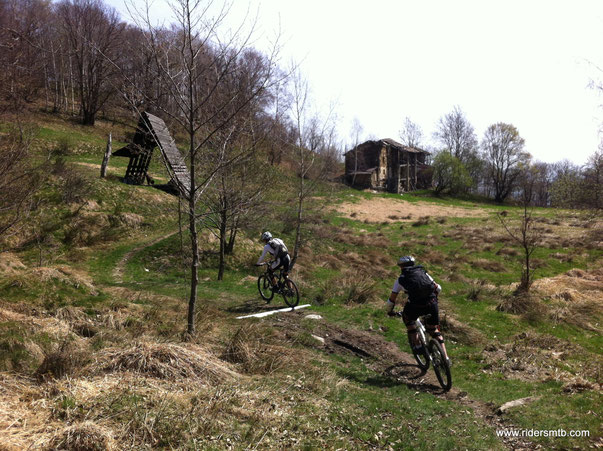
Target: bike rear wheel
420,356
265,288
290,293
440,365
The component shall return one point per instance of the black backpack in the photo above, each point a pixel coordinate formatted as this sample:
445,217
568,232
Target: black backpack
280,249
418,284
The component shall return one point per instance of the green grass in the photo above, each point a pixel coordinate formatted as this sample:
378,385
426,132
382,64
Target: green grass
369,409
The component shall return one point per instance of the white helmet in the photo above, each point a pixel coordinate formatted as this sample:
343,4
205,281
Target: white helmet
266,236
407,260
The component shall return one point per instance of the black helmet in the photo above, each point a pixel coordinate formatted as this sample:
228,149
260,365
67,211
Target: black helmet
407,260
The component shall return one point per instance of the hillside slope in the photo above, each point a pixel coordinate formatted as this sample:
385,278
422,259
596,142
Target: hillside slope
93,294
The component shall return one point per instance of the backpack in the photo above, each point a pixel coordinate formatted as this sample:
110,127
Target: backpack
280,250
420,287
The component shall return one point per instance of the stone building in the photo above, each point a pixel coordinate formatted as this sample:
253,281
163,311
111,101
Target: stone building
387,165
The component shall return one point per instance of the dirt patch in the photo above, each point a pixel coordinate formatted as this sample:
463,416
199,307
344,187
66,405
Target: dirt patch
395,210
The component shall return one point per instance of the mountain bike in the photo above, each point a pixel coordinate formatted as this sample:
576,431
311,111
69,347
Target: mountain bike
284,286
431,352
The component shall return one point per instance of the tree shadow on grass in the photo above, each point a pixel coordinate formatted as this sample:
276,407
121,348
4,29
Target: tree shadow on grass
249,306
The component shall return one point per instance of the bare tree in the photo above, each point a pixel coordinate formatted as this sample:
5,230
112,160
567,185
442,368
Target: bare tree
205,84
526,235
504,155
93,33
20,179
313,134
355,136
23,25
456,134
593,179
411,134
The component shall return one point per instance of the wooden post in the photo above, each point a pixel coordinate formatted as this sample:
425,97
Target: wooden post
407,172
416,171
106,158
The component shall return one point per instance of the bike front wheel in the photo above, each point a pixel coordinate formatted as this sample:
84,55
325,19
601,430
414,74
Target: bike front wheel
440,365
265,288
290,293
420,355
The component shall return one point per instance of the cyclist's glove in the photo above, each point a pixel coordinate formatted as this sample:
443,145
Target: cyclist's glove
390,308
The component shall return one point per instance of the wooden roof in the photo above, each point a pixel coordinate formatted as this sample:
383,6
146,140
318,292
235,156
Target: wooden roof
392,143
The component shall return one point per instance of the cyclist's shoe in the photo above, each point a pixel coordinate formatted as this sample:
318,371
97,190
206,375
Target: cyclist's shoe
449,362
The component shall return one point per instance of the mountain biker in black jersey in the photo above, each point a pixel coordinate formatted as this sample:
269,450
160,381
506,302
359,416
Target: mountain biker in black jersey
422,293
277,248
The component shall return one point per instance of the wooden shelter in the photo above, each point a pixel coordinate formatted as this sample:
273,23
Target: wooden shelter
152,132
387,165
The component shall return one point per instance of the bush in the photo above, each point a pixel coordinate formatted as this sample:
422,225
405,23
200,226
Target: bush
450,175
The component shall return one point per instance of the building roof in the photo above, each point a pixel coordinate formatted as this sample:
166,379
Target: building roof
395,144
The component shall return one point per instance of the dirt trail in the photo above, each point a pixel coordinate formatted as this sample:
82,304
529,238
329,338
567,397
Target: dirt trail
393,366
118,271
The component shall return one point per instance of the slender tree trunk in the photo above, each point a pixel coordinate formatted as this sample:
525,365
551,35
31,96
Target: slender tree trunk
106,158
222,244
232,238
194,264
300,205
193,231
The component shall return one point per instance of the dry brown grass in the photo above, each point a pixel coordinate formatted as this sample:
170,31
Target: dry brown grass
540,357
425,220
433,257
66,360
521,303
458,331
250,350
359,289
489,265
85,436
163,361
24,419
10,263
508,251
575,297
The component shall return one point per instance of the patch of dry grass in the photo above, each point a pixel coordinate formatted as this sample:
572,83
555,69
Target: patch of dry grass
10,263
575,297
489,265
539,357
85,436
66,360
24,419
250,349
458,331
163,361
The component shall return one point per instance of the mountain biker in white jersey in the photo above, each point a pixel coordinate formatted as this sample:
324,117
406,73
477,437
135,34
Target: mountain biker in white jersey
422,293
277,248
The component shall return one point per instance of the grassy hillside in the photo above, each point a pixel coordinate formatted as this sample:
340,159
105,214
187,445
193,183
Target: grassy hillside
93,293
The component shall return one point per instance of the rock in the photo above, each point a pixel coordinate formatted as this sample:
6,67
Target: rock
322,340
518,402
313,316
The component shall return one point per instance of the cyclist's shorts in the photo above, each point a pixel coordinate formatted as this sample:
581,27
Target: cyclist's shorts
285,262
412,311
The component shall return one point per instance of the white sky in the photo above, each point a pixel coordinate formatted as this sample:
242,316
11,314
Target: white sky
526,62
